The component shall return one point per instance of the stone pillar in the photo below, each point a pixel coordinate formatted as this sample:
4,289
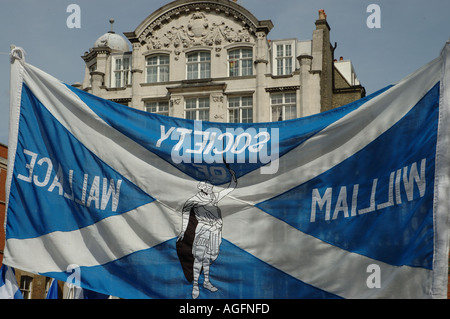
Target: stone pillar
260,104
309,87
99,75
137,76
97,82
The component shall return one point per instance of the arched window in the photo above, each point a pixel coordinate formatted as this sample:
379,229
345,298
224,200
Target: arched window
198,65
157,68
240,62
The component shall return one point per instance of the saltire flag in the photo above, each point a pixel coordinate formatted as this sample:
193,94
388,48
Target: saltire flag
349,203
9,289
52,292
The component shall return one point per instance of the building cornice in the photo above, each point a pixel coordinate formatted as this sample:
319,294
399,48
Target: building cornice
93,53
197,85
283,88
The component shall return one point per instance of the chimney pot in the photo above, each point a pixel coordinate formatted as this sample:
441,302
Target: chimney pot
322,14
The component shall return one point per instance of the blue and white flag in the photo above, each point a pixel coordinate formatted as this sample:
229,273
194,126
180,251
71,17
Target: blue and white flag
52,292
350,203
9,289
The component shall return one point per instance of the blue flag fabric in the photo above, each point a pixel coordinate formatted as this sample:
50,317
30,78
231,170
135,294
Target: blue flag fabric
349,203
52,292
9,289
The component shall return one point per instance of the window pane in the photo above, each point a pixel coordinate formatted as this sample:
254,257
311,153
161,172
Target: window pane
163,106
205,56
127,77
246,67
205,71
190,115
288,50
247,101
203,102
152,74
277,114
191,104
234,115
152,60
233,101
290,97
118,78
276,98
247,53
233,54
126,63
247,115
151,107
280,51
203,115
280,67
234,68
164,59
164,73
192,57
290,112
118,64
192,71
288,62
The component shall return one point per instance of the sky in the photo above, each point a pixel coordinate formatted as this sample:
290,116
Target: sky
411,34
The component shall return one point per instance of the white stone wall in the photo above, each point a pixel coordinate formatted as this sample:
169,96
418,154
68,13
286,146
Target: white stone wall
217,32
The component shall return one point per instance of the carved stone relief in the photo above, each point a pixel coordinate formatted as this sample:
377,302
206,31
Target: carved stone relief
199,31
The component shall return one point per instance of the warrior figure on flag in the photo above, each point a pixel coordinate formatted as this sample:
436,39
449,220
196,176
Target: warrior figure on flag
201,234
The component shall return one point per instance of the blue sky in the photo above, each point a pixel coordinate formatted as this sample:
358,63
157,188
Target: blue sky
412,33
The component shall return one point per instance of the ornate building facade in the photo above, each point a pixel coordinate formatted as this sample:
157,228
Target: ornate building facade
211,60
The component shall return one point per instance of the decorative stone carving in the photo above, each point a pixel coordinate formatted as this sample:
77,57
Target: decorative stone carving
217,98
196,8
198,32
175,101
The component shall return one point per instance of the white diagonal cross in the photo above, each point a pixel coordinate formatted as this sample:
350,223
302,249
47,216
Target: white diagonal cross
297,254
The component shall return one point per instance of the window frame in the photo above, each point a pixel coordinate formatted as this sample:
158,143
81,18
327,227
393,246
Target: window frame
124,73
198,74
158,66
162,107
240,59
281,60
26,286
283,105
240,108
198,109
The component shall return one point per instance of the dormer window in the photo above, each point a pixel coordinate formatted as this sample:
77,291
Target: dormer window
283,57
